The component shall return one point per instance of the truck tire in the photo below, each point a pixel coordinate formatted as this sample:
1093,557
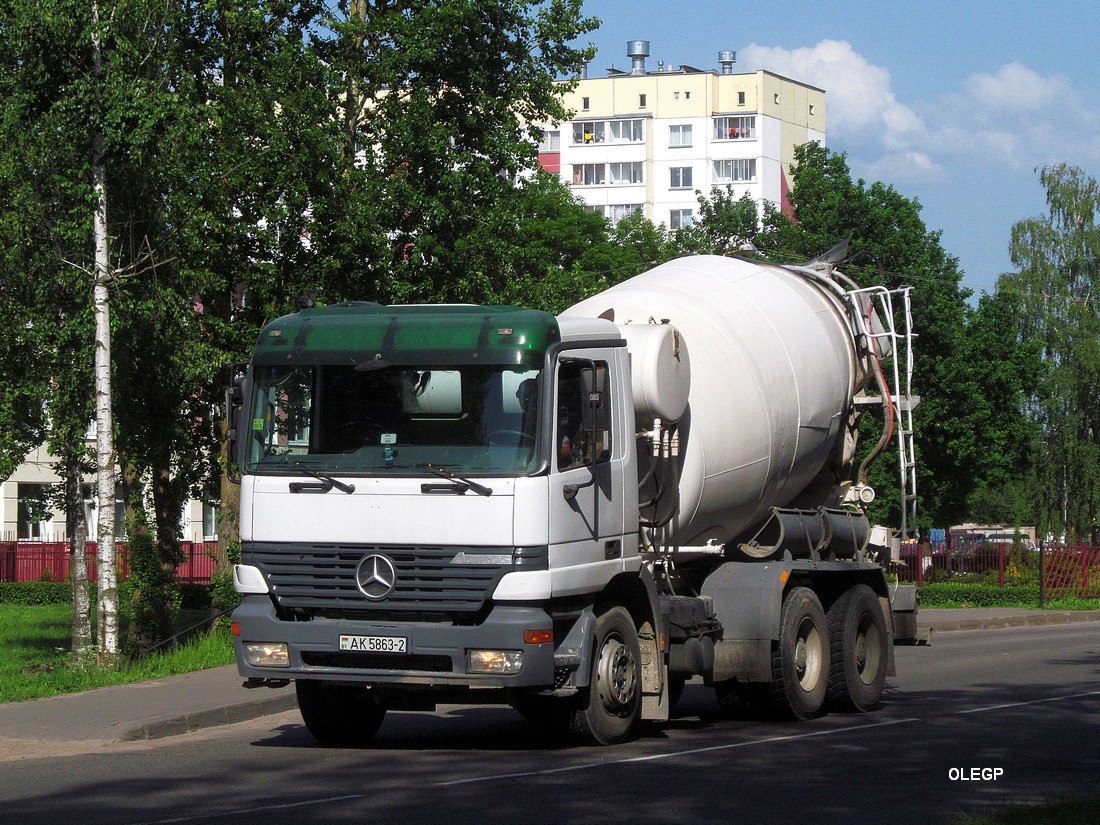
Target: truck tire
800,661
860,653
612,703
340,714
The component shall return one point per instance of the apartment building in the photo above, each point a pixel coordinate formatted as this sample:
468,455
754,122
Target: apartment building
26,513
649,140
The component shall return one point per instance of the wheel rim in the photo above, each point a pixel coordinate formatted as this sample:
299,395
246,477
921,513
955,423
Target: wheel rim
867,650
808,658
617,674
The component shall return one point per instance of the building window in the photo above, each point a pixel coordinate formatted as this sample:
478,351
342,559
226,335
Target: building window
679,135
741,127
615,131
811,110
735,171
551,141
740,98
33,509
626,173
596,210
627,131
680,177
679,218
641,101
589,132
617,211
210,520
589,174
585,105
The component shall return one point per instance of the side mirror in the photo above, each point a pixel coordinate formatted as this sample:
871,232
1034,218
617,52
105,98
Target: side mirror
234,407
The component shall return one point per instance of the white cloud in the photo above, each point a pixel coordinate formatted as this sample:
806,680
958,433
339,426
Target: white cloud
1017,117
1014,117
861,108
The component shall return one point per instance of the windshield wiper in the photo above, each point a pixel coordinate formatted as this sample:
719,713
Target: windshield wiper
468,484
328,482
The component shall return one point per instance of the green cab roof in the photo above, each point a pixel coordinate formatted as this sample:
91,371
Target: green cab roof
354,334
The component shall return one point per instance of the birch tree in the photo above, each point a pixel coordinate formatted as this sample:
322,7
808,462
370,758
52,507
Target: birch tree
106,570
1056,291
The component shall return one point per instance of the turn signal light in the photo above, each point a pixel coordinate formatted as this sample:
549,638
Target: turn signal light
537,637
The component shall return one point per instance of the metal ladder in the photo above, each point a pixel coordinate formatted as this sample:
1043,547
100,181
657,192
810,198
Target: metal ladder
894,348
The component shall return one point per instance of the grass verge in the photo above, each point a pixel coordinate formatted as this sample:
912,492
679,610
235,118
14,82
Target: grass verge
975,594
1083,811
34,655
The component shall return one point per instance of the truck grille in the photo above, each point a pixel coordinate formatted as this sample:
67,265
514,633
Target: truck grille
444,581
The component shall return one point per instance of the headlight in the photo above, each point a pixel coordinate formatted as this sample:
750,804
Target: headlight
267,654
494,661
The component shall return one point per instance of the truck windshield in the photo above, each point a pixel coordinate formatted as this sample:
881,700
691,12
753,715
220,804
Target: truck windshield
385,418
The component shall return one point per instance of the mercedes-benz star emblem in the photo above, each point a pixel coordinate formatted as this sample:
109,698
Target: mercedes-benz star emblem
375,577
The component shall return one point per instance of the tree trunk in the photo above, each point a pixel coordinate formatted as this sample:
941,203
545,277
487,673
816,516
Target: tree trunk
76,527
229,536
107,575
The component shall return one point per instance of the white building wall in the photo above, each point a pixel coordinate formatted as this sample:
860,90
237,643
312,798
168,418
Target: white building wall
786,113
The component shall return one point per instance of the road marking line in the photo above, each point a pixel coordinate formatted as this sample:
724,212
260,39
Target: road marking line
247,811
1032,702
656,756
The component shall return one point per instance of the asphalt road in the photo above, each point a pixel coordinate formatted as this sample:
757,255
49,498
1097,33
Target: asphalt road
978,719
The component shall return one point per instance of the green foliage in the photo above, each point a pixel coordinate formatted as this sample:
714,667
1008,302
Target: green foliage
974,594
1082,811
1053,295
35,642
222,595
150,597
36,593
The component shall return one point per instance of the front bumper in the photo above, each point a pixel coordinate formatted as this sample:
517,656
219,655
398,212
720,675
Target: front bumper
435,653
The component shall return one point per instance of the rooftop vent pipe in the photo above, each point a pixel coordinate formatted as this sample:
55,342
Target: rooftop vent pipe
637,51
726,59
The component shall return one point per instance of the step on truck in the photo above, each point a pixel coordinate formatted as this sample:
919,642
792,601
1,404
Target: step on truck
574,515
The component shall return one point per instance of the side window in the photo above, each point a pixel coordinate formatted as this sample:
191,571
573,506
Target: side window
583,427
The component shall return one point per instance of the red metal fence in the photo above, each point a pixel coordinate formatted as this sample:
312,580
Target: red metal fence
1068,570
1071,571
28,561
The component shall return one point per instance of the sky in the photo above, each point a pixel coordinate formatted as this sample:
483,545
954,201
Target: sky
955,104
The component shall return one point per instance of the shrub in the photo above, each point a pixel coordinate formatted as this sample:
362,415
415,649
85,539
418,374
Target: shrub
36,593
973,594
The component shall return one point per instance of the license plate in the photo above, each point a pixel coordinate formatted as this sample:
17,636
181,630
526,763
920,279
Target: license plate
374,644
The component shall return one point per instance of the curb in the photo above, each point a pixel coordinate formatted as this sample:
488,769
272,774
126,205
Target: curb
212,718
1037,619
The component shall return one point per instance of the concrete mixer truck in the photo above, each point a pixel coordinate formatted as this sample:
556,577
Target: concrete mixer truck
573,515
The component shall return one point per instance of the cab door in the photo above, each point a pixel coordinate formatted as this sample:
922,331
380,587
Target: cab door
586,479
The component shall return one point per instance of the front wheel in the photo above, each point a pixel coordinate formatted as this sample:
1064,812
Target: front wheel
612,704
800,661
340,714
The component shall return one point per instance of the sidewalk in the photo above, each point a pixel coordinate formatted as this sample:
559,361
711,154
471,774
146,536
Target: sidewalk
179,704
144,710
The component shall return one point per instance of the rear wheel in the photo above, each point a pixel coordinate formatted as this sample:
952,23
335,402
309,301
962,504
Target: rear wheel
612,703
340,714
860,650
800,661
